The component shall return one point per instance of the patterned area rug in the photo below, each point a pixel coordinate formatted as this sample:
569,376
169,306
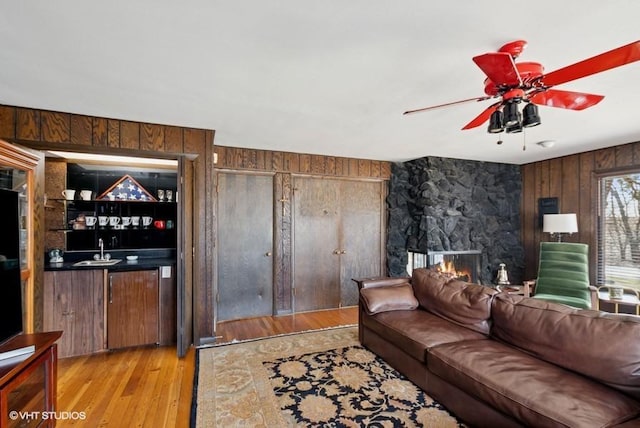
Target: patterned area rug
320,378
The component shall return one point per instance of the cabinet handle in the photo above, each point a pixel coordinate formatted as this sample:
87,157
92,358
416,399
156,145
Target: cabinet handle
110,289
336,252
268,254
343,252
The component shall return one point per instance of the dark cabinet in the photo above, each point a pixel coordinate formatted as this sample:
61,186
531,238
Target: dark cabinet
120,224
132,308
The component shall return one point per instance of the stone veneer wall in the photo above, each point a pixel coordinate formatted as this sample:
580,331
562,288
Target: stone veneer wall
442,204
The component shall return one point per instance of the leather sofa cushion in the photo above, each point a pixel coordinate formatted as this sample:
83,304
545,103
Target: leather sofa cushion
388,298
532,391
465,304
603,346
417,331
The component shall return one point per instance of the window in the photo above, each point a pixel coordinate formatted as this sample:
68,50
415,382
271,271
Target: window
619,230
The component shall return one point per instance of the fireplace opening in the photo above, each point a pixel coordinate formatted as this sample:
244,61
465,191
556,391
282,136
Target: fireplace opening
463,265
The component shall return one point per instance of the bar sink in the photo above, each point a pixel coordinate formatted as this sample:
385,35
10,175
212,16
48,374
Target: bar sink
109,262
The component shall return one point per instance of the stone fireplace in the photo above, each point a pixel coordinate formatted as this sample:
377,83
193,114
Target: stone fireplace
440,205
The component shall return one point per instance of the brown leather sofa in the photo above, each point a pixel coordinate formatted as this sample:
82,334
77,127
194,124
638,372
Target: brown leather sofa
500,360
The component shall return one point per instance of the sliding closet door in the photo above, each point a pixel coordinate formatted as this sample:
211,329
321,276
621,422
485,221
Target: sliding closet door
245,245
316,265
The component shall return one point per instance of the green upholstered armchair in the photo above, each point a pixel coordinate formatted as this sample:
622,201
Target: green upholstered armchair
563,275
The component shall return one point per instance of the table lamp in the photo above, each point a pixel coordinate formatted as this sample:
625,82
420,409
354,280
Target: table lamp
559,224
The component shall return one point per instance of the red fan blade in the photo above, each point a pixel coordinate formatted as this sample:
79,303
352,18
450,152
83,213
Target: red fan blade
499,68
482,117
605,61
446,105
565,99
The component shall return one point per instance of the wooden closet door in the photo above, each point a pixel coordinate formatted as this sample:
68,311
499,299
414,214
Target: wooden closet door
360,235
245,246
316,271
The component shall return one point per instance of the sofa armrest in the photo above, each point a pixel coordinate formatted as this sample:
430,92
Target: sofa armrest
397,297
381,281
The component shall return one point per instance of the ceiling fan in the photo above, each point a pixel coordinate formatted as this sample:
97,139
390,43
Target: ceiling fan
525,82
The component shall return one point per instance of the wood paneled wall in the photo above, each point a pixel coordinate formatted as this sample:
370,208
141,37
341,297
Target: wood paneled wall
298,163
43,129
65,129
572,179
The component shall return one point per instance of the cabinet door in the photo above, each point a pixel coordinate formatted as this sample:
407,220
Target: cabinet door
361,235
73,303
132,309
316,275
245,246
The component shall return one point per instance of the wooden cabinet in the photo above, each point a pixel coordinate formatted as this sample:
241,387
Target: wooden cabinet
29,386
338,229
74,303
140,308
132,308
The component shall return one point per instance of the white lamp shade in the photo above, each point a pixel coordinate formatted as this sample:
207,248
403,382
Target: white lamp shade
560,223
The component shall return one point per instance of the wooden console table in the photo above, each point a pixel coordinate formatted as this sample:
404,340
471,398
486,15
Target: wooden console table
28,387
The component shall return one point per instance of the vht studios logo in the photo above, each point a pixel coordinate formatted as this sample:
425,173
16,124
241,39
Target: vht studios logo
44,416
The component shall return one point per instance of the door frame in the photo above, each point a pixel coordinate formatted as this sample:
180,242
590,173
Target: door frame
32,162
185,256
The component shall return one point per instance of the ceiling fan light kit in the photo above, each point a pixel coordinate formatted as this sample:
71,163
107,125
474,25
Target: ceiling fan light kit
514,83
530,116
511,114
514,128
496,122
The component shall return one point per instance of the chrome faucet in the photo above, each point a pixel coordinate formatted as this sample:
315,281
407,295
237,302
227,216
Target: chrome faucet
101,245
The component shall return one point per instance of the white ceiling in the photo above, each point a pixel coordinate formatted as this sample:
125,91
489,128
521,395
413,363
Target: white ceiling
329,77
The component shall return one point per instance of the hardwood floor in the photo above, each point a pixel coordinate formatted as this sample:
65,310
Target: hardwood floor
150,386
271,326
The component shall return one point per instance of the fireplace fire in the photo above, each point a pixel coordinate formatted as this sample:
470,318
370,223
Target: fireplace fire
462,265
449,269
